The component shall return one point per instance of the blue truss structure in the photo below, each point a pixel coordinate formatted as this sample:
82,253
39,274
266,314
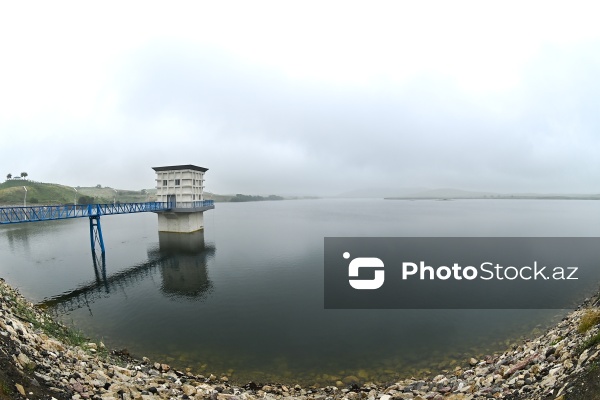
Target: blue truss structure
17,215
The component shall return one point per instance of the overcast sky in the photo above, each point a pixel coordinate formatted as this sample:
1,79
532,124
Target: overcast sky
313,98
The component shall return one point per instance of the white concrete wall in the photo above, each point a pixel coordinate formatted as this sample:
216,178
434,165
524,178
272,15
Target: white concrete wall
190,188
180,222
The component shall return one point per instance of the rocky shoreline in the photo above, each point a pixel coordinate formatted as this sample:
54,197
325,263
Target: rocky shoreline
41,359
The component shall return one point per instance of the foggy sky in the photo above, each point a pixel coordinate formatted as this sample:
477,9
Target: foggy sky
304,98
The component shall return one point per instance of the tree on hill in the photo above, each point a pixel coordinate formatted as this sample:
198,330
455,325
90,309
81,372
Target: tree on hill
244,197
24,175
8,177
86,200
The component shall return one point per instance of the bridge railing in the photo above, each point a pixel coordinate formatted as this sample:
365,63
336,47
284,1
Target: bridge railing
12,215
127,208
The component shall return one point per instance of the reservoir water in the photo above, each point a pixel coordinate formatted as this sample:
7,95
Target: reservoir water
245,297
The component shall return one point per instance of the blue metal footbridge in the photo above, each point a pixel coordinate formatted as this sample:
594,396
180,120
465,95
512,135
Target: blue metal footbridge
17,215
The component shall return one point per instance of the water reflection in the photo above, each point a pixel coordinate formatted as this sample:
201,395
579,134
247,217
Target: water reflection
99,260
181,259
18,236
183,264
155,297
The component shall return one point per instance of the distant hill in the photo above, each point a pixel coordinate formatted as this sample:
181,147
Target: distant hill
108,194
239,198
449,193
379,192
414,193
12,193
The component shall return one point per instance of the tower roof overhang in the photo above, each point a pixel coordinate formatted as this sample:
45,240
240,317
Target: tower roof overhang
180,167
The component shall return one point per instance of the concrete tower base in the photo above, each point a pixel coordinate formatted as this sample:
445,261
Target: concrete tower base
180,222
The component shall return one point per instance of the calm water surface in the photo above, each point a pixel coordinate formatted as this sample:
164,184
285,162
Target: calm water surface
245,297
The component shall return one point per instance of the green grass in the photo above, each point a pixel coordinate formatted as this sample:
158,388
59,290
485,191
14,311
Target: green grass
589,343
556,341
12,192
589,319
46,324
6,388
108,195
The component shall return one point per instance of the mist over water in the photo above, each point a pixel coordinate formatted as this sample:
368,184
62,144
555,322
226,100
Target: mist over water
245,297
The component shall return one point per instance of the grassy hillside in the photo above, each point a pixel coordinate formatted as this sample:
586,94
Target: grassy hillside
108,195
12,193
238,198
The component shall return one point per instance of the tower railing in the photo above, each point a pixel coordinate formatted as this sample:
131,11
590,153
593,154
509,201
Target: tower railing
193,204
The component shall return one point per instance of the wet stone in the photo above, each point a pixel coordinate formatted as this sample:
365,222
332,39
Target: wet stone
530,370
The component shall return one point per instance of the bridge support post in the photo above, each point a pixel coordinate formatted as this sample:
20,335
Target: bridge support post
96,233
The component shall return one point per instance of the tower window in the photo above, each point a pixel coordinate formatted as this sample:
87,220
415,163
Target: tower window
165,182
177,182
